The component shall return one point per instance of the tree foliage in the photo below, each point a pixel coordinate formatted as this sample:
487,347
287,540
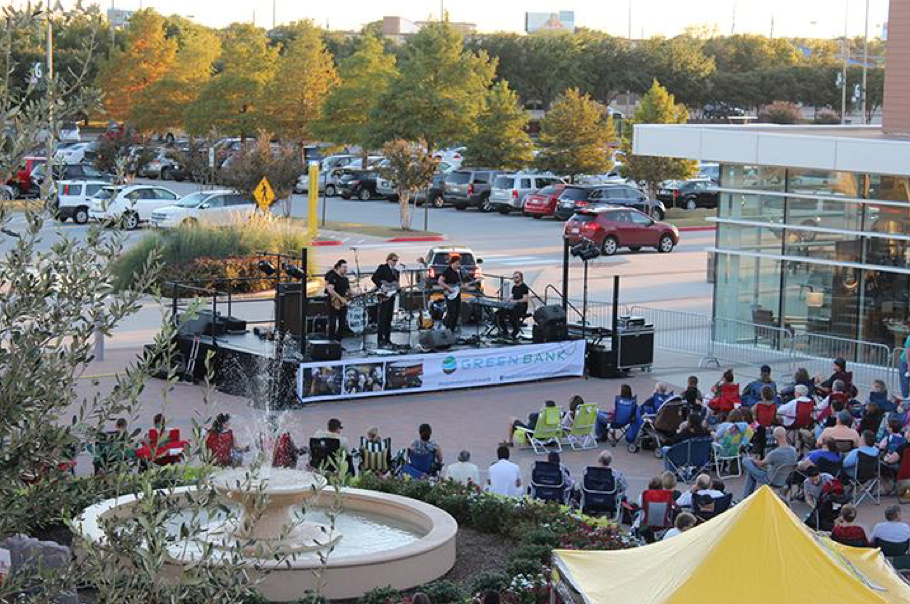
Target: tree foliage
782,112
366,77
410,168
280,165
500,140
574,136
440,89
304,77
657,107
145,58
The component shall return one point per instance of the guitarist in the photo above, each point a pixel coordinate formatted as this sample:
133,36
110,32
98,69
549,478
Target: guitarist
450,280
386,275
338,288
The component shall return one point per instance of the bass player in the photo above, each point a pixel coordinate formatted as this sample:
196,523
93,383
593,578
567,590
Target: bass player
386,279
338,289
450,280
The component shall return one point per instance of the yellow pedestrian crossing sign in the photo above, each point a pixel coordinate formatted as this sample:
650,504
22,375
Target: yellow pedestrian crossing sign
264,194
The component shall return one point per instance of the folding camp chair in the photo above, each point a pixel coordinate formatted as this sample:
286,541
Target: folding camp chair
626,414
728,452
690,458
547,431
865,479
420,465
375,457
582,433
547,482
779,481
656,515
707,507
599,494
324,455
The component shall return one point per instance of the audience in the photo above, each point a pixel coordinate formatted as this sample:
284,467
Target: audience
221,444
554,457
839,372
569,418
692,395
801,377
846,532
684,521
841,430
828,453
752,392
333,430
373,435
788,411
814,484
504,477
892,530
867,448
703,486
605,459
695,426
425,445
762,471
872,418
462,471
879,395
725,395
515,423
654,402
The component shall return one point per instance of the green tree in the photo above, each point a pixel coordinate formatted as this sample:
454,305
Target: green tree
145,58
411,168
678,63
500,140
574,136
439,92
657,107
366,76
304,78
231,101
280,166
163,104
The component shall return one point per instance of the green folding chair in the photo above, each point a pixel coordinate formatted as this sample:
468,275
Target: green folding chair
547,431
582,434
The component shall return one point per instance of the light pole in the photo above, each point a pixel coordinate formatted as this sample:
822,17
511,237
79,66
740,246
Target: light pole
628,92
865,61
843,78
51,130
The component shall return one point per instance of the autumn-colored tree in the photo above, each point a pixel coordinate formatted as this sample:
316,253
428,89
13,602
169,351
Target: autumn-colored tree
410,168
281,166
366,76
231,102
499,140
144,59
657,106
574,136
164,104
304,78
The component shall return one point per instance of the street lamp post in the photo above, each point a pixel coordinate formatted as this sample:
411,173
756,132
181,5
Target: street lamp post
843,81
865,61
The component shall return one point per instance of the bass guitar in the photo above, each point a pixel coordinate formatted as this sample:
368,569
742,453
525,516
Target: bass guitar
455,290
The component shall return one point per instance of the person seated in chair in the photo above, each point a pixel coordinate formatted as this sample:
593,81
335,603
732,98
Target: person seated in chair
702,486
568,419
684,521
462,471
829,453
846,532
762,471
752,392
801,377
872,418
605,419
839,372
692,395
653,403
221,444
867,447
842,430
605,460
814,484
333,430
725,395
504,476
424,444
554,457
892,530
695,426
516,423
878,394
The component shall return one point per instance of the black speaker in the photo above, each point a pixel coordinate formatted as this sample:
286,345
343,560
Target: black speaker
601,362
325,350
204,324
235,325
550,332
437,339
549,314
288,311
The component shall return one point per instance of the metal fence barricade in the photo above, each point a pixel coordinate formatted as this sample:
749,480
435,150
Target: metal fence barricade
868,361
675,331
743,342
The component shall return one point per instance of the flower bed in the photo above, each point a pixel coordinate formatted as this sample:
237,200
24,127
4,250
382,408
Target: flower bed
536,527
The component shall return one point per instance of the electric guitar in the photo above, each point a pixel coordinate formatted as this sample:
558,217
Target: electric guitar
455,290
338,304
388,290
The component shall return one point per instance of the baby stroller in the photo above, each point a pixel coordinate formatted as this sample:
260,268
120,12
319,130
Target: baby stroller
658,430
827,507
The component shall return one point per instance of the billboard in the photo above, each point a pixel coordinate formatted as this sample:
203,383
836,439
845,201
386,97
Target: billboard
564,20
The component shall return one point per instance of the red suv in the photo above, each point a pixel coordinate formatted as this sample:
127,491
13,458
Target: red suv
613,228
543,202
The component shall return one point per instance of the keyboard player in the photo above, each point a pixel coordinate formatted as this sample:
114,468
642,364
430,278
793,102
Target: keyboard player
509,319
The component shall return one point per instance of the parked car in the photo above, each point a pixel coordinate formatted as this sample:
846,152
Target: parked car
710,171
453,156
722,111
75,153
575,197
434,192
510,190
357,183
131,203
690,194
74,199
328,173
214,208
21,182
437,260
611,228
543,202
164,166
69,131
66,172
470,187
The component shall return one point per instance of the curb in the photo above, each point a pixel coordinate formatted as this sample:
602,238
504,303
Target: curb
692,229
326,242
416,239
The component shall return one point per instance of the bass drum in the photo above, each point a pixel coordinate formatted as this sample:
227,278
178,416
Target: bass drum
357,318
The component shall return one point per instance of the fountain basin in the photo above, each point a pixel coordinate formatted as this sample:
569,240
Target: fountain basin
427,556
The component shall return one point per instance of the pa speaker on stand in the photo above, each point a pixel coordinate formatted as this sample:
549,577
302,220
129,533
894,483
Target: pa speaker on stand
550,324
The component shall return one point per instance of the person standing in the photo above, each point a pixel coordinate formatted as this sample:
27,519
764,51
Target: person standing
337,288
904,367
511,317
450,280
386,278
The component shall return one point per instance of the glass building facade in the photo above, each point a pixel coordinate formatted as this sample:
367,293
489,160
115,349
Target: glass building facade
814,251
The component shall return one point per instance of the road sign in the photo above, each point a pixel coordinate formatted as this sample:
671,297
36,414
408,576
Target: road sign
264,194
212,157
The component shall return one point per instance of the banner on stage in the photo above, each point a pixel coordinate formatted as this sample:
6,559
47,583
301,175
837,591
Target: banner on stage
469,368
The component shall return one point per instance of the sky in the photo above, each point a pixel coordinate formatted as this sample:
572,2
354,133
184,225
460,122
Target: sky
791,18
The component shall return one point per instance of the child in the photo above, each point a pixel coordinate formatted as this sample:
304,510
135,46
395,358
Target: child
893,439
692,395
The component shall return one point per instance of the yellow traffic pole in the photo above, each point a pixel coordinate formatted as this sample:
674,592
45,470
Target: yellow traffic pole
312,226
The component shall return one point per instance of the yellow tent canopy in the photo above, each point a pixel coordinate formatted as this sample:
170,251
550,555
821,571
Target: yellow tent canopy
758,552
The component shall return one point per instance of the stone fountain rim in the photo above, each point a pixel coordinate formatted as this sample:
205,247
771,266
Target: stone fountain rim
442,528
318,482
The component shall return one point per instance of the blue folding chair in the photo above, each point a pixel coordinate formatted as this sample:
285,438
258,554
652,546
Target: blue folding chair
419,465
599,494
626,420
547,482
690,458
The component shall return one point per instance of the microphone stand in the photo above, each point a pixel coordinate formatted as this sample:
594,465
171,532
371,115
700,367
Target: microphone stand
363,304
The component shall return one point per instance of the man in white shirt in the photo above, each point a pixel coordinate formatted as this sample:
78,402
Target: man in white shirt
892,529
504,477
463,471
333,430
787,412
702,486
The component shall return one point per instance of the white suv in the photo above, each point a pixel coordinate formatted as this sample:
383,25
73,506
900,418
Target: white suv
74,198
131,203
213,208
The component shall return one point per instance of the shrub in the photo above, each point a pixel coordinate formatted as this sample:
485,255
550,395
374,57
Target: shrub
531,551
523,566
489,581
542,536
381,595
212,253
444,592
827,116
781,112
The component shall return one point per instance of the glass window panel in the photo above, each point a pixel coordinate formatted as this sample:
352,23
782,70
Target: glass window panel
754,207
748,290
814,182
753,177
822,299
886,308
749,238
827,213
